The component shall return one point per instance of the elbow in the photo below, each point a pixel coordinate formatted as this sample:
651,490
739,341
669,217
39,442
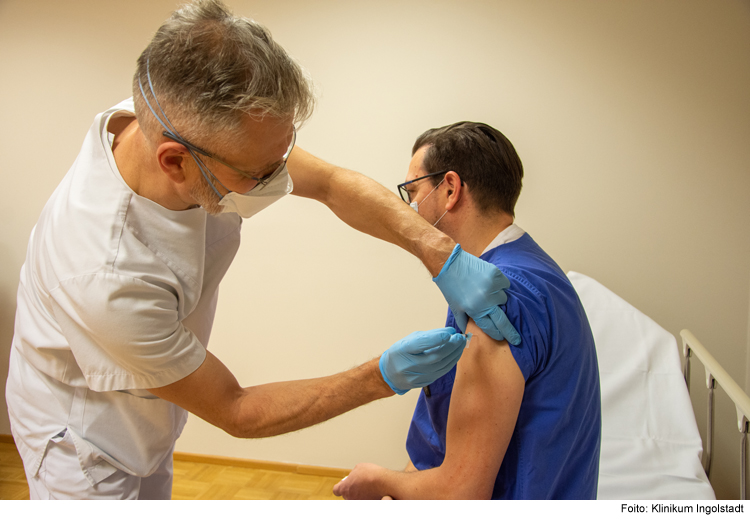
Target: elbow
245,428
463,485
255,425
233,427
237,422
236,431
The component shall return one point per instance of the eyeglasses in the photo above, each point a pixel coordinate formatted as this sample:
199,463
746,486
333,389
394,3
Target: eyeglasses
404,192
262,181
171,132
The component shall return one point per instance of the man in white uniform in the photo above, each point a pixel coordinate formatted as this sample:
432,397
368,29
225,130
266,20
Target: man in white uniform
118,292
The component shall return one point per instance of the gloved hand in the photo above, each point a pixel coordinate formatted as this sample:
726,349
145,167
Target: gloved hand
421,358
474,288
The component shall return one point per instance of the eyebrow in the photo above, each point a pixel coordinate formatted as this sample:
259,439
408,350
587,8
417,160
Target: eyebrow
266,170
254,173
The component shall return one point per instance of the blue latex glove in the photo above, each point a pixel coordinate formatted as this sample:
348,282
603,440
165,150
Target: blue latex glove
475,288
421,358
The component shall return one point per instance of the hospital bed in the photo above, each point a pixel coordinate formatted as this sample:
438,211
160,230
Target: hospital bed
651,448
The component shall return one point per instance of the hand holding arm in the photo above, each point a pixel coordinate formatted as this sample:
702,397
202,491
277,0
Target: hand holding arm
474,288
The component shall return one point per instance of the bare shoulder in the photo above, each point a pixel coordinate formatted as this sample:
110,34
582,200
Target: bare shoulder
488,357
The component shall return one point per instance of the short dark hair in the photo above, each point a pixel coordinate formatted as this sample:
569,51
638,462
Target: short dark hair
482,156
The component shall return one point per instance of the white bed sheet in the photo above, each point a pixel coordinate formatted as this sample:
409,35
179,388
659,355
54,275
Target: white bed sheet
651,448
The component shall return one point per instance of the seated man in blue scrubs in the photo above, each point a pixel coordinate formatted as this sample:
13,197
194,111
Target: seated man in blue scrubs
508,422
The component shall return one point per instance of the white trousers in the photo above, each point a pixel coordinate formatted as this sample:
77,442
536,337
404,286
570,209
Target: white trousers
60,477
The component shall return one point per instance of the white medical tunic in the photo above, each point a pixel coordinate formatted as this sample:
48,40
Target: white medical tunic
117,295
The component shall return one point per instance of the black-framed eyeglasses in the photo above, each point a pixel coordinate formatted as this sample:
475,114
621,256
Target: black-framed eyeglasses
404,192
262,181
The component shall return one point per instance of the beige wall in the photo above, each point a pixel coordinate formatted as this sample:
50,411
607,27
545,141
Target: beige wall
632,119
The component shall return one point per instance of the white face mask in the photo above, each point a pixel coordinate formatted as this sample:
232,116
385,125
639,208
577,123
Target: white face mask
259,197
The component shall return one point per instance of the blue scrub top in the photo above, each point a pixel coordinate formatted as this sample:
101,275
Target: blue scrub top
554,450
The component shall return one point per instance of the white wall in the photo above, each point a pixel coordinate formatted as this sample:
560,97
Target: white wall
747,382
632,119
747,371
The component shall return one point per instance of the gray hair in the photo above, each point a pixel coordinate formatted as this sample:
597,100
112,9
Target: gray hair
209,68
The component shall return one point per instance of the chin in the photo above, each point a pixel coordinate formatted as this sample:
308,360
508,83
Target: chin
205,198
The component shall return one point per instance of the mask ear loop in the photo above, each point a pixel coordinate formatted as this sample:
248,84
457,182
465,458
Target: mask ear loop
436,222
171,131
428,195
432,191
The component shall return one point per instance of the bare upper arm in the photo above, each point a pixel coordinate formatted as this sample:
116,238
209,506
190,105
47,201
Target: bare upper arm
311,175
210,392
485,402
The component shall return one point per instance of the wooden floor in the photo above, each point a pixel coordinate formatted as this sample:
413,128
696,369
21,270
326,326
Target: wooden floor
12,478
198,481
194,480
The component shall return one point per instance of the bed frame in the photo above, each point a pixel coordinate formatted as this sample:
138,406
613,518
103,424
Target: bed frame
716,375
651,447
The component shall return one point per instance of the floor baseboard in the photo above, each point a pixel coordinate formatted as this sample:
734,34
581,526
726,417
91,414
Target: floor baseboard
319,471
301,469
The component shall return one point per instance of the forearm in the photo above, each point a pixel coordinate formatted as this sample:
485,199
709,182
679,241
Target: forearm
213,394
278,408
369,207
444,482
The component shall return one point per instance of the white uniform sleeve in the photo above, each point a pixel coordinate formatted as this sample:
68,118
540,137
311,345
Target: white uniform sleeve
124,332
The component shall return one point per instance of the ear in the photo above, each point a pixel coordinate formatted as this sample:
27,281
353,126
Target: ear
173,159
453,188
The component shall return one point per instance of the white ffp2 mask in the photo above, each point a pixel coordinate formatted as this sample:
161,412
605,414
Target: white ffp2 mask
259,197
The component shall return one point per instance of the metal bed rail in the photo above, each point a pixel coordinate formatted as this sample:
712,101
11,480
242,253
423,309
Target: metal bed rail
715,374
